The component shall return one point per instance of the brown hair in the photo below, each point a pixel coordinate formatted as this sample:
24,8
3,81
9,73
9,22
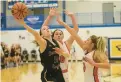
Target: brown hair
55,31
94,40
40,32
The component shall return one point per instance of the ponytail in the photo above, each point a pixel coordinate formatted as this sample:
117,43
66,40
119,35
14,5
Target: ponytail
101,44
99,55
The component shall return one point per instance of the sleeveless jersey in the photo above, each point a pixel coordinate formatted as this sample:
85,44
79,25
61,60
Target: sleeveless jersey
91,73
63,60
49,58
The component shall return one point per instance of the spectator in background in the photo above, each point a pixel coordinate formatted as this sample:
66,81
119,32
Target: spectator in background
34,55
25,55
12,54
6,55
18,54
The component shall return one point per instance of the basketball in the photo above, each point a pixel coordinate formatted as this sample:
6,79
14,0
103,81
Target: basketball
19,10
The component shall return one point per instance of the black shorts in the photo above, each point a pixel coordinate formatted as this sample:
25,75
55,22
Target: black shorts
55,76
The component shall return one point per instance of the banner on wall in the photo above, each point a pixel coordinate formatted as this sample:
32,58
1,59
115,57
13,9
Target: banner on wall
35,3
114,48
34,21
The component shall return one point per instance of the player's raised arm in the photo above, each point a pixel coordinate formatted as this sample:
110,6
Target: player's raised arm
37,36
51,14
71,31
19,12
70,40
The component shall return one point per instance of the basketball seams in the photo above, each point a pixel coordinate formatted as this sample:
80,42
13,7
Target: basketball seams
21,6
19,10
25,13
24,6
17,6
22,13
13,12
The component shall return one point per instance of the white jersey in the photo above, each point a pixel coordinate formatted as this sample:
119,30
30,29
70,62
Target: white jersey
64,63
91,73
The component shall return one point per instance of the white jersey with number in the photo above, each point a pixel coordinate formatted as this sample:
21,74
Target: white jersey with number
91,73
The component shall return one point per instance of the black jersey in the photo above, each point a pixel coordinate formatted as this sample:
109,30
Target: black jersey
51,64
49,58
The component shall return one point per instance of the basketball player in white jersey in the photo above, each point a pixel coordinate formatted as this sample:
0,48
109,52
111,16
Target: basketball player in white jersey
95,57
59,36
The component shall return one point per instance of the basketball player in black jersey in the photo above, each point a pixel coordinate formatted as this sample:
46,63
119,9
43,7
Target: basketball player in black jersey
49,50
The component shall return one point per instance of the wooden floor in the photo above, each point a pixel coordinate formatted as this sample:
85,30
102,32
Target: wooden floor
31,73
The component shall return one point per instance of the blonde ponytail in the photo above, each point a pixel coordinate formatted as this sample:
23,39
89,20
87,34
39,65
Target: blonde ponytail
101,44
99,55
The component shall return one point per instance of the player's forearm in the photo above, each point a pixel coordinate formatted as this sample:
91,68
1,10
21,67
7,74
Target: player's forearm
29,29
102,65
46,22
65,54
69,29
74,35
75,25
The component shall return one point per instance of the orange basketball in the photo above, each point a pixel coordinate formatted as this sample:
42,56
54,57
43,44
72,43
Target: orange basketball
19,10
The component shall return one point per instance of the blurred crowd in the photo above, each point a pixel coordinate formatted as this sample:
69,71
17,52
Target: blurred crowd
15,55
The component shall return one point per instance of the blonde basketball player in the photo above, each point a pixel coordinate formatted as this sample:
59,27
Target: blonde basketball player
95,57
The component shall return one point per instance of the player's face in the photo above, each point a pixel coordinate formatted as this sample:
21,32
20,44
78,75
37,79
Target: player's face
58,35
87,44
45,31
